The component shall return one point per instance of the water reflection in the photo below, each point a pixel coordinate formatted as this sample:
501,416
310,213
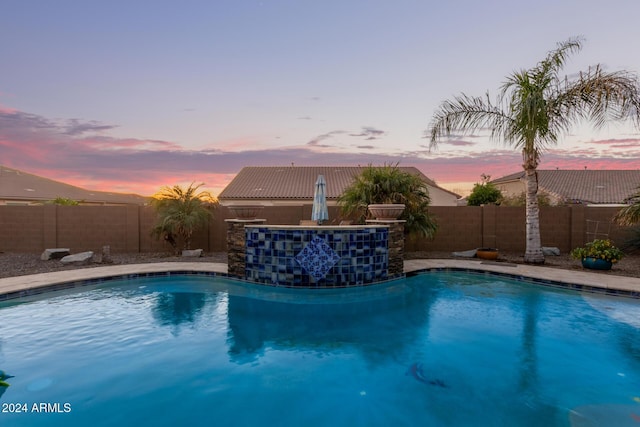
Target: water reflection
177,308
379,328
3,381
529,363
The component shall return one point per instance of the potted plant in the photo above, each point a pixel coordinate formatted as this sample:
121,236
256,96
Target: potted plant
389,192
245,211
386,210
487,253
600,254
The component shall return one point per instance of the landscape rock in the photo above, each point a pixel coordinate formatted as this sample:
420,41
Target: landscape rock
54,253
195,253
81,258
465,254
550,251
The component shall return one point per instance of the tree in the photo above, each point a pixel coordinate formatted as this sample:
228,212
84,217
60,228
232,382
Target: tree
484,193
536,106
630,215
181,212
390,184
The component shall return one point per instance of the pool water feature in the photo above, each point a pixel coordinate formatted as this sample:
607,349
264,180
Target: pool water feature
317,257
441,348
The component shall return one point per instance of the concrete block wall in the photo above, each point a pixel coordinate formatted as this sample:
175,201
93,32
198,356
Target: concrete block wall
127,229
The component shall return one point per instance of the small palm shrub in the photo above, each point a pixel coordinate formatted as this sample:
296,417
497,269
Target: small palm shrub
181,212
389,184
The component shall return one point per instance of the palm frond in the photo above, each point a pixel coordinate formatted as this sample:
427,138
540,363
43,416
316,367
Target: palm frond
599,97
629,215
468,114
181,211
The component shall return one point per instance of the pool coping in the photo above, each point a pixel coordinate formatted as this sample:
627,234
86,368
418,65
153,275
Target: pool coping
29,285
606,283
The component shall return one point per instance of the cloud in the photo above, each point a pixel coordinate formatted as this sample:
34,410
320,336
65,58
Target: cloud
75,127
37,145
454,142
369,133
316,141
7,110
615,141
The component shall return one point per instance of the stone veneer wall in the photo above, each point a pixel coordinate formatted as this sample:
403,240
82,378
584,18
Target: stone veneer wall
396,245
236,245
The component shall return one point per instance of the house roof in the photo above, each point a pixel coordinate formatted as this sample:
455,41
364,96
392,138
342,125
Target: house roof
295,182
16,185
584,185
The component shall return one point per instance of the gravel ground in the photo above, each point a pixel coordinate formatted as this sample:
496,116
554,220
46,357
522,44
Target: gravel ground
13,264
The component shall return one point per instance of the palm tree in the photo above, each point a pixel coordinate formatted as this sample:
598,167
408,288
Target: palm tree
630,214
536,106
181,212
390,184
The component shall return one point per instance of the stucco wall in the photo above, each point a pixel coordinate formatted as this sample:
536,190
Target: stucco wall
31,229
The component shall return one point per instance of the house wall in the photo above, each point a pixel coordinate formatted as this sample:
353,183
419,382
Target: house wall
127,229
516,188
440,197
512,188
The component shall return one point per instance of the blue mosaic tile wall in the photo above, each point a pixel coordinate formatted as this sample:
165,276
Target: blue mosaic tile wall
316,257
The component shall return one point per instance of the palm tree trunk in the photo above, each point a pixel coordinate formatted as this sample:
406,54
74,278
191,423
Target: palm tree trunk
533,253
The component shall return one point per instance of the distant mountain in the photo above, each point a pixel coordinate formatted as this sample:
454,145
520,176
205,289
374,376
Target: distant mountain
18,187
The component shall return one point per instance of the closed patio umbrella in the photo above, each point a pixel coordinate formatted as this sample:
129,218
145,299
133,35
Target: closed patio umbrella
320,212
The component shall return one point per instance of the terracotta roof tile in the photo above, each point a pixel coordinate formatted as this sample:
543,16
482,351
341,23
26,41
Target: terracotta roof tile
585,185
16,185
294,182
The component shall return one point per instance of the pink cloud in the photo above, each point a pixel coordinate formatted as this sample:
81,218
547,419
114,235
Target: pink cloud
6,110
625,141
48,148
107,143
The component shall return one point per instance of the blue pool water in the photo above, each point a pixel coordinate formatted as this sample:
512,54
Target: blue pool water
446,348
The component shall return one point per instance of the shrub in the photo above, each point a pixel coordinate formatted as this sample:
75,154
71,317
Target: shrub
484,194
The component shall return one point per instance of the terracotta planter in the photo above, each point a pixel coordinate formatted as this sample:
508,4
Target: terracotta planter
386,211
245,212
596,264
487,253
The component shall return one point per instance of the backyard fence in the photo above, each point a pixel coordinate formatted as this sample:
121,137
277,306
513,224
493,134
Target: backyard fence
127,229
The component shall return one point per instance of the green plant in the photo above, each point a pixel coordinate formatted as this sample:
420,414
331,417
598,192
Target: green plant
484,193
600,249
521,200
632,243
181,212
3,377
390,184
534,108
630,215
63,201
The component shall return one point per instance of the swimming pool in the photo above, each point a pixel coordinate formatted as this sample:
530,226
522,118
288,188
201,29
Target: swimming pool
440,348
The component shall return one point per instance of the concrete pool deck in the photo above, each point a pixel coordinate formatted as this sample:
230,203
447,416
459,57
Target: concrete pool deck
30,284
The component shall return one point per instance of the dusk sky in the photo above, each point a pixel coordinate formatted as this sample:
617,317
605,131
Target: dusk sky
129,96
